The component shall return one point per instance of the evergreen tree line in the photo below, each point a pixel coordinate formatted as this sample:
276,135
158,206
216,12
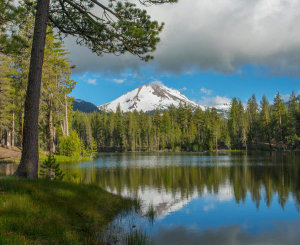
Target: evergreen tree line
55,104
264,125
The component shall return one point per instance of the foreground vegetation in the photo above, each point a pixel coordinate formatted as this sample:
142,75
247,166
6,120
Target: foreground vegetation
43,212
43,156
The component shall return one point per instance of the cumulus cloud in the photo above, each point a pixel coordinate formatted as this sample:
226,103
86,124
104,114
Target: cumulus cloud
219,35
157,82
206,91
285,97
92,81
214,101
119,80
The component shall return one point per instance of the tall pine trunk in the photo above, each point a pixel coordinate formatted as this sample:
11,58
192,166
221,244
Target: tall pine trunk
50,129
30,155
66,114
13,130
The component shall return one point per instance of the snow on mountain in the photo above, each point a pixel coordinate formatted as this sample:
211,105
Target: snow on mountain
149,97
223,108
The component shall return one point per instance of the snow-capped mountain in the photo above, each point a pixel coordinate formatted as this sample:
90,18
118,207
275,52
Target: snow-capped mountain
223,108
149,97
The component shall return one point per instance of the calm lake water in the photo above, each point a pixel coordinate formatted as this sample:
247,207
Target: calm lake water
222,198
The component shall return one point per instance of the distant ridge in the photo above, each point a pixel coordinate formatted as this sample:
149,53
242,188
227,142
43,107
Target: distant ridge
84,106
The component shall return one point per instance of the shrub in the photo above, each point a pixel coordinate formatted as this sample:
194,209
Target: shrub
50,169
71,146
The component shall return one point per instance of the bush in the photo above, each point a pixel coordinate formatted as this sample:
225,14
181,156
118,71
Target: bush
71,146
50,169
293,141
92,150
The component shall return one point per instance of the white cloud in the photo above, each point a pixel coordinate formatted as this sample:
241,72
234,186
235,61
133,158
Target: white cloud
157,82
285,97
213,101
119,80
183,89
219,35
92,81
209,207
225,193
206,91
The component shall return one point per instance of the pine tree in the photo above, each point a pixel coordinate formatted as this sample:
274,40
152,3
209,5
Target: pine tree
252,119
293,137
265,121
50,169
157,128
5,100
165,130
55,87
279,119
233,122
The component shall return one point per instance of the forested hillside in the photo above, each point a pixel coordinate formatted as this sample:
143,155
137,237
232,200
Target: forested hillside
258,125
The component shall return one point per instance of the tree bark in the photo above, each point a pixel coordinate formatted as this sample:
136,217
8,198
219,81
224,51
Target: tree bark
13,130
30,155
51,137
62,127
66,113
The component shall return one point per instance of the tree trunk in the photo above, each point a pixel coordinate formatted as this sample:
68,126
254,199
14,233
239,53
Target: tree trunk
62,128
30,154
7,139
21,128
13,130
67,120
51,137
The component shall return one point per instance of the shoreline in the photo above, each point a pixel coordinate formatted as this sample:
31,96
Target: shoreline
39,211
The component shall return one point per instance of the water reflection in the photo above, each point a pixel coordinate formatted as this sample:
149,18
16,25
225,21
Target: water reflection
8,168
170,186
283,233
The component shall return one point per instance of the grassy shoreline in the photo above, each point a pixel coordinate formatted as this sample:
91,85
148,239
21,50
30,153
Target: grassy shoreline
62,159
41,211
43,156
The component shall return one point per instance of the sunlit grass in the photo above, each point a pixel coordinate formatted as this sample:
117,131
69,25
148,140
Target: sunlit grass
61,159
43,212
137,238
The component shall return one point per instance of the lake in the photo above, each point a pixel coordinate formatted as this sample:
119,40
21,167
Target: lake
221,198
195,198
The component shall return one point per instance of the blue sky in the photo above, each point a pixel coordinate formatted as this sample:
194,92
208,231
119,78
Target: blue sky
203,87
220,49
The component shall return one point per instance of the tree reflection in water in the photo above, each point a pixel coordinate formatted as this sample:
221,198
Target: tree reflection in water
262,175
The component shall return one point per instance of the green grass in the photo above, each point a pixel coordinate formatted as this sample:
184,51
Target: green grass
59,158
43,157
137,238
45,212
9,160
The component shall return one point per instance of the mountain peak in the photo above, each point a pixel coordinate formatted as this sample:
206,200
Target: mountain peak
149,97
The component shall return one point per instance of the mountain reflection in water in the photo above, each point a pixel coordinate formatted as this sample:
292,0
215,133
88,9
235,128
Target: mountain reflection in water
162,183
